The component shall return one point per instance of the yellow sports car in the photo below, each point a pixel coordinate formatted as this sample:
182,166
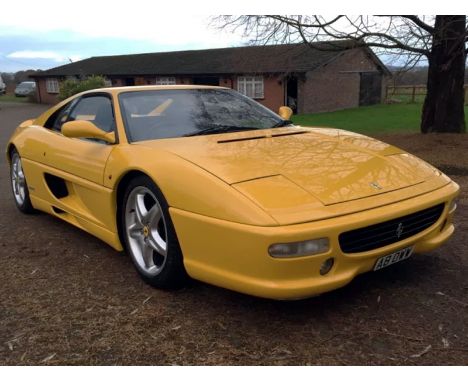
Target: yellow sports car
203,182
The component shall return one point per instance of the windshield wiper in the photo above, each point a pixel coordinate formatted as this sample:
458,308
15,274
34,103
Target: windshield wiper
284,122
219,129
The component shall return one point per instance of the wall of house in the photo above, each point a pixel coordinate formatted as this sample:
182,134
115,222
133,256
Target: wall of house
42,95
117,82
273,91
336,85
151,80
273,87
228,82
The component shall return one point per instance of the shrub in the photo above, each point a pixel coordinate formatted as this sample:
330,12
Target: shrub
71,87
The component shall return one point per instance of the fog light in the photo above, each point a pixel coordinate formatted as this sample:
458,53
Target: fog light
300,248
326,266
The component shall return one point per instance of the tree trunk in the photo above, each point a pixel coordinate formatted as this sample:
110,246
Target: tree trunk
443,110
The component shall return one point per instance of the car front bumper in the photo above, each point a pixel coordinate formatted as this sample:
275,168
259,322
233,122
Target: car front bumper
235,256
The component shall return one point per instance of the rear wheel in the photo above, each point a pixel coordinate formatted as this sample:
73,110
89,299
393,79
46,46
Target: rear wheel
19,185
149,235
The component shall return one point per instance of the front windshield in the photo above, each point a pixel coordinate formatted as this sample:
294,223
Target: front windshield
155,114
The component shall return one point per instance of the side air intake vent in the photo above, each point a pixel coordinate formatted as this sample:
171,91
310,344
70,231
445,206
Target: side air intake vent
56,185
58,210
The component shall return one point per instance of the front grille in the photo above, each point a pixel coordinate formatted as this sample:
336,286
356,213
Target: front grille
389,232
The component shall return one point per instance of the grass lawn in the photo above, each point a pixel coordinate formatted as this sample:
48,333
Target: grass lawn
376,119
12,98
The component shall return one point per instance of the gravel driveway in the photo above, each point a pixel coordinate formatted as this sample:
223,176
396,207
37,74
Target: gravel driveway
68,298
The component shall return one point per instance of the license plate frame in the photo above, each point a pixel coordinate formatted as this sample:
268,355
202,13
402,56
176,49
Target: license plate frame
393,258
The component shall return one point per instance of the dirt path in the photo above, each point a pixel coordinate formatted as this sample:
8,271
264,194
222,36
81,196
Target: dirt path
67,298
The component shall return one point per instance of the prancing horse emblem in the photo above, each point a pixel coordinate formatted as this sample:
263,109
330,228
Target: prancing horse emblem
399,230
375,185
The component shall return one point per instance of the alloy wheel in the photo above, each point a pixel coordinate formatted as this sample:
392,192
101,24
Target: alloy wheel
18,180
146,230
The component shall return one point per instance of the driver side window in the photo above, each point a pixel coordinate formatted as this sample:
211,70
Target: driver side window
96,109
59,117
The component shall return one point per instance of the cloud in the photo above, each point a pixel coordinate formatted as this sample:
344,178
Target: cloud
43,54
48,35
145,22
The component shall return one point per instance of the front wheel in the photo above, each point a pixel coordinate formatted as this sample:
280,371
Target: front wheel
149,235
19,185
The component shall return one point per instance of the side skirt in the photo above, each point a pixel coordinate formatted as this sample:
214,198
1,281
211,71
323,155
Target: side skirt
109,237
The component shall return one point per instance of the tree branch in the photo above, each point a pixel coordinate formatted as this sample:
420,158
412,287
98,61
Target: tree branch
360,37
419,23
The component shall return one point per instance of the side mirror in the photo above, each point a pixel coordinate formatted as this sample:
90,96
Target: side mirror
86,129
285,112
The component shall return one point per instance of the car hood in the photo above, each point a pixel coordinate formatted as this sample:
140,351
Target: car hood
293,167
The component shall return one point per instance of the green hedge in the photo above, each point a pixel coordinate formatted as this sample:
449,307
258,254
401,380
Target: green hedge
71,87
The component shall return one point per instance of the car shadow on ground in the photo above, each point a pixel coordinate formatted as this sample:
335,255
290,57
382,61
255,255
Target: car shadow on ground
409,274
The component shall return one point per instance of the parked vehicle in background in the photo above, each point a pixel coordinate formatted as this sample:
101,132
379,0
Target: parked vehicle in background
2,86
25,89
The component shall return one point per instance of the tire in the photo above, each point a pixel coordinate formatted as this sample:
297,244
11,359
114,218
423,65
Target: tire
19,185
149,235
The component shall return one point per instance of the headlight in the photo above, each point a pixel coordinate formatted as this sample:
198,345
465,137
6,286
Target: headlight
300,248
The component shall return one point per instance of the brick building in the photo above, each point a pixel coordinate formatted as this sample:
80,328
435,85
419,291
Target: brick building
309,79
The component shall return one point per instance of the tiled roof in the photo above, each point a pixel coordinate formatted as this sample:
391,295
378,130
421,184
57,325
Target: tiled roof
248,59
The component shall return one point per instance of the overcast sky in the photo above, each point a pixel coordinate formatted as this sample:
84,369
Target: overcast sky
43,34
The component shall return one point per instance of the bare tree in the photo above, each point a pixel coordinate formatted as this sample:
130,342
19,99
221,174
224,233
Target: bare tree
441,41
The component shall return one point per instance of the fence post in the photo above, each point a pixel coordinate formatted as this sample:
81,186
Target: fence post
413,95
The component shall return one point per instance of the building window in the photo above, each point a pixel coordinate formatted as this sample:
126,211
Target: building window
251,86
52,85
165,81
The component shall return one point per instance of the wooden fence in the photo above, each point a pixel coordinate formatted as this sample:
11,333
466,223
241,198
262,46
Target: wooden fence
410,93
